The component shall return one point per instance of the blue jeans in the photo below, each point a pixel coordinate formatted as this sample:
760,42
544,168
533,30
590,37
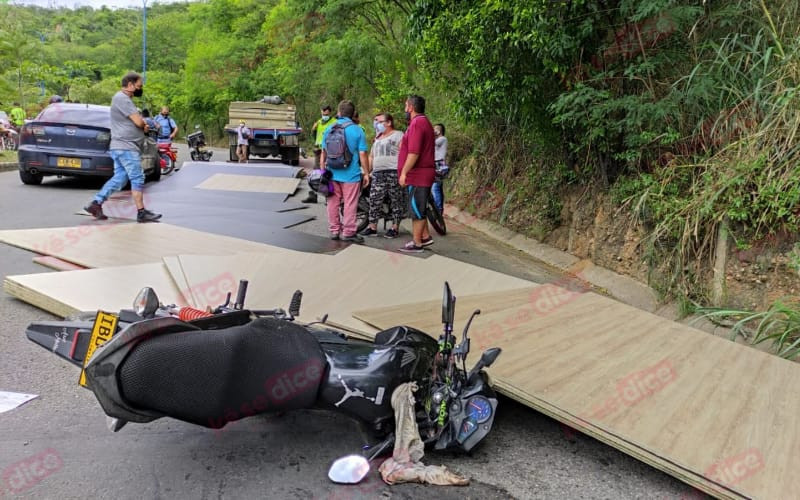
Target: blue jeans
438,195
127,166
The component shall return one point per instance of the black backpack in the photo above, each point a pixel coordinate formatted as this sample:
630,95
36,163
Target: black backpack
336,150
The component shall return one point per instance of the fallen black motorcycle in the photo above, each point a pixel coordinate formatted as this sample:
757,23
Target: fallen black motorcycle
211,368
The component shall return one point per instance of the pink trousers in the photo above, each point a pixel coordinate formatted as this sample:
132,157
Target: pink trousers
349,192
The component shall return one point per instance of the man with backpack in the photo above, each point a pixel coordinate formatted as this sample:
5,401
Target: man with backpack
344,154
167,128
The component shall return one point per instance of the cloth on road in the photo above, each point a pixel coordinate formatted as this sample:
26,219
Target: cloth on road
405,465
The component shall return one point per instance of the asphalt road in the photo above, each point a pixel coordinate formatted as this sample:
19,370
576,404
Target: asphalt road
57,446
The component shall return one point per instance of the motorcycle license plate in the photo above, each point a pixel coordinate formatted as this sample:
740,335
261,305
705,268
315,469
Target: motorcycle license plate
105,325
63,161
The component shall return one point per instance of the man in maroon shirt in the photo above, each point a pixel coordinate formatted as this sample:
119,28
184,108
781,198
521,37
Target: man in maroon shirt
416,171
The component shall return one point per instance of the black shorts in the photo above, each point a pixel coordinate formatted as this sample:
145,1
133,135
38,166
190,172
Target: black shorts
418,197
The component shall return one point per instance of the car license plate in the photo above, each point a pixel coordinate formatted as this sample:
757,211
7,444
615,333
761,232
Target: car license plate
105,325
63,161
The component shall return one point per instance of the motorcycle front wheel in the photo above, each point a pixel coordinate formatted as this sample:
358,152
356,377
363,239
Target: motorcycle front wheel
168,166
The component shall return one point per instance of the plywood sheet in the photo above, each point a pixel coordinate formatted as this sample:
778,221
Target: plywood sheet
271,169
250,183
110,289
55,263
718,415
272,276
355,278
106,244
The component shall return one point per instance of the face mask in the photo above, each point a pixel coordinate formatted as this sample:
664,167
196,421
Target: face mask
408,115
380,127
165,115
138,92
325,118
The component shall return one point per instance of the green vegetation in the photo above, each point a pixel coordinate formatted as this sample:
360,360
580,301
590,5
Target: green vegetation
685,112
779,325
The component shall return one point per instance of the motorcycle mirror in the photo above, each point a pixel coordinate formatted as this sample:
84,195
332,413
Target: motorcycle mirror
146,302
487,358
350,469
448,305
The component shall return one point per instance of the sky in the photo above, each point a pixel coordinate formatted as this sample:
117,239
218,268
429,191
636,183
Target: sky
91,3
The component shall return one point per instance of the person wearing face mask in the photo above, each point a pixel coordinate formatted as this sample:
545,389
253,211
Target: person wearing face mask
318,131
128,130
383,159
167,128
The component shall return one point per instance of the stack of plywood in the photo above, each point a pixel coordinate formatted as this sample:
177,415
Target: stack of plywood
262,115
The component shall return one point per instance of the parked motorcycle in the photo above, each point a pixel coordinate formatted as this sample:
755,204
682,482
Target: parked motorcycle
211,368
168,157
197,145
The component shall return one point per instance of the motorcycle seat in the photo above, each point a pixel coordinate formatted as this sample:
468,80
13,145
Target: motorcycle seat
213,377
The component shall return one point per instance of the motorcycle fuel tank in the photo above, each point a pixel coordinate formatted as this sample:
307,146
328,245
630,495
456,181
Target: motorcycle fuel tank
362,377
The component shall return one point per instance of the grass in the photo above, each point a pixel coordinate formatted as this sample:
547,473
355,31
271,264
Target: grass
779,325
8,156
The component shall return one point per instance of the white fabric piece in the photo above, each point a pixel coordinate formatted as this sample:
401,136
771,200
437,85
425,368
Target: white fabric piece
405,465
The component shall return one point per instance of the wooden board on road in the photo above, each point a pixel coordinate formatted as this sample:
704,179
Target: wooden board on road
355,278
250,183
715,414
111,288
107,244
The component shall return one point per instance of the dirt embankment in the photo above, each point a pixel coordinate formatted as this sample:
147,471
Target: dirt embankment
591,226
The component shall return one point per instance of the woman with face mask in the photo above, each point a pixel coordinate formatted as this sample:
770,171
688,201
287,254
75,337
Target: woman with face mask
383,158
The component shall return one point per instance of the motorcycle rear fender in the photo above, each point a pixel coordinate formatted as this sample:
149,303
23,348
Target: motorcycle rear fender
101,372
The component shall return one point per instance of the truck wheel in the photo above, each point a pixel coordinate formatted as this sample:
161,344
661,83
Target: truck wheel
233,156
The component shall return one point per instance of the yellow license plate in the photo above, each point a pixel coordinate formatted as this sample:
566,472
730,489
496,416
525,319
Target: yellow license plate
63,161
105,325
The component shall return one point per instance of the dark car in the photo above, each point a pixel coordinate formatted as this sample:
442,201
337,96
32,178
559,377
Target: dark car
72,139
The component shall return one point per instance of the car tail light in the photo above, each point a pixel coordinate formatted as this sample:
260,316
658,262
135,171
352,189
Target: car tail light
103,137
37,130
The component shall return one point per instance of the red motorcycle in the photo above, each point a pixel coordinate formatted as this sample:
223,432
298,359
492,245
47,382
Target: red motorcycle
168,157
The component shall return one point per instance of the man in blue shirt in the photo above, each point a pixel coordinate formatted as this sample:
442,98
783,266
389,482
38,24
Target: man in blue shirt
167,128
347,182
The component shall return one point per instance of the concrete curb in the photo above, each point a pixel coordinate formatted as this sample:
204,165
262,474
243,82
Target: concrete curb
6,167
621,287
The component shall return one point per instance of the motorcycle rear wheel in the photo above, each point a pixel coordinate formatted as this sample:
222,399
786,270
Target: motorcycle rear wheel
169,165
